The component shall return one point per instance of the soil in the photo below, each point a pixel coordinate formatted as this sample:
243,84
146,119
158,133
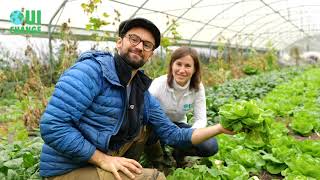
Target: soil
313,136
264,175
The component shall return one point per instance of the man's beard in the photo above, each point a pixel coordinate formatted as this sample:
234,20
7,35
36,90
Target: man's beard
134,64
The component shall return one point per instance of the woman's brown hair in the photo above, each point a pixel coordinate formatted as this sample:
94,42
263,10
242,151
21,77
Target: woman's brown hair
182,52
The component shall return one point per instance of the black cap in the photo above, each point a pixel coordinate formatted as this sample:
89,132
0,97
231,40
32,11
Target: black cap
125,26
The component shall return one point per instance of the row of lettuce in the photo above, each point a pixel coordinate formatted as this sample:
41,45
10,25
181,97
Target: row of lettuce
251,87
270,129
291,96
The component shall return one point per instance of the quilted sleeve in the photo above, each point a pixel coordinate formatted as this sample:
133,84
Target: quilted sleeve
73,94
168,132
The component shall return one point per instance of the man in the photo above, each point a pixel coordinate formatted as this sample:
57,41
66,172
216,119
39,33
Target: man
100,108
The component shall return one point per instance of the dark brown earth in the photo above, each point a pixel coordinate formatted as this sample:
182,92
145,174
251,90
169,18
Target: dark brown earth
264,175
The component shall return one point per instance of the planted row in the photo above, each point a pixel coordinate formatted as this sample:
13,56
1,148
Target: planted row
252,87
298,103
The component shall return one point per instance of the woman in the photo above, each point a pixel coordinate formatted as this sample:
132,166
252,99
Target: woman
179,92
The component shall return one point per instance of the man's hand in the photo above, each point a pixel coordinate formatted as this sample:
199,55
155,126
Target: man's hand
114,164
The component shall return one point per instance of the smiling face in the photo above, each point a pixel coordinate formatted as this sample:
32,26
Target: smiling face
135,55
184,66
183,69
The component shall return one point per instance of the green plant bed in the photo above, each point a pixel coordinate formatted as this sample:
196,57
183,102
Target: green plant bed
298,100
20,160
253,87
276,151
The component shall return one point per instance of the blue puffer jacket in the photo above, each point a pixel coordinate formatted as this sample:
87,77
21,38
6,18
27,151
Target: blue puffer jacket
86,109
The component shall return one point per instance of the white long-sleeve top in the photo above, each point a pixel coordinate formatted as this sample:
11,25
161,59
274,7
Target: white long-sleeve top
178,101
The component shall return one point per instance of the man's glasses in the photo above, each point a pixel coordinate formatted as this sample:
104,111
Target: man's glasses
135,40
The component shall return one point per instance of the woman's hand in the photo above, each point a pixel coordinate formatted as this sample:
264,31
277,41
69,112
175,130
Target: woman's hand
224,130
114,164
203,134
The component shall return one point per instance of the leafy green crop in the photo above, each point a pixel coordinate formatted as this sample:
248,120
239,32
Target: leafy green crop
246,116
253,87
20,160
241,116
235,171
298,101
305,164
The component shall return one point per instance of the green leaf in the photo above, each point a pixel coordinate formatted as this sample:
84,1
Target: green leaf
28,160
275,168
14,163
310,147
12,175
2,175
3,157
186,174
305,165
298,177
84,6
270,157
251,160
4,170
254,139
88,26
235,172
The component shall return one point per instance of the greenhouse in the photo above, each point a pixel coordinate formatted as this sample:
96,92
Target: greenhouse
179,90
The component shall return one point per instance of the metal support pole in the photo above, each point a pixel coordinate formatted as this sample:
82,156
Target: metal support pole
50,36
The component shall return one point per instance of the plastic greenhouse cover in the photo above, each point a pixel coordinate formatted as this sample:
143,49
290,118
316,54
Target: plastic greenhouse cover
238,22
